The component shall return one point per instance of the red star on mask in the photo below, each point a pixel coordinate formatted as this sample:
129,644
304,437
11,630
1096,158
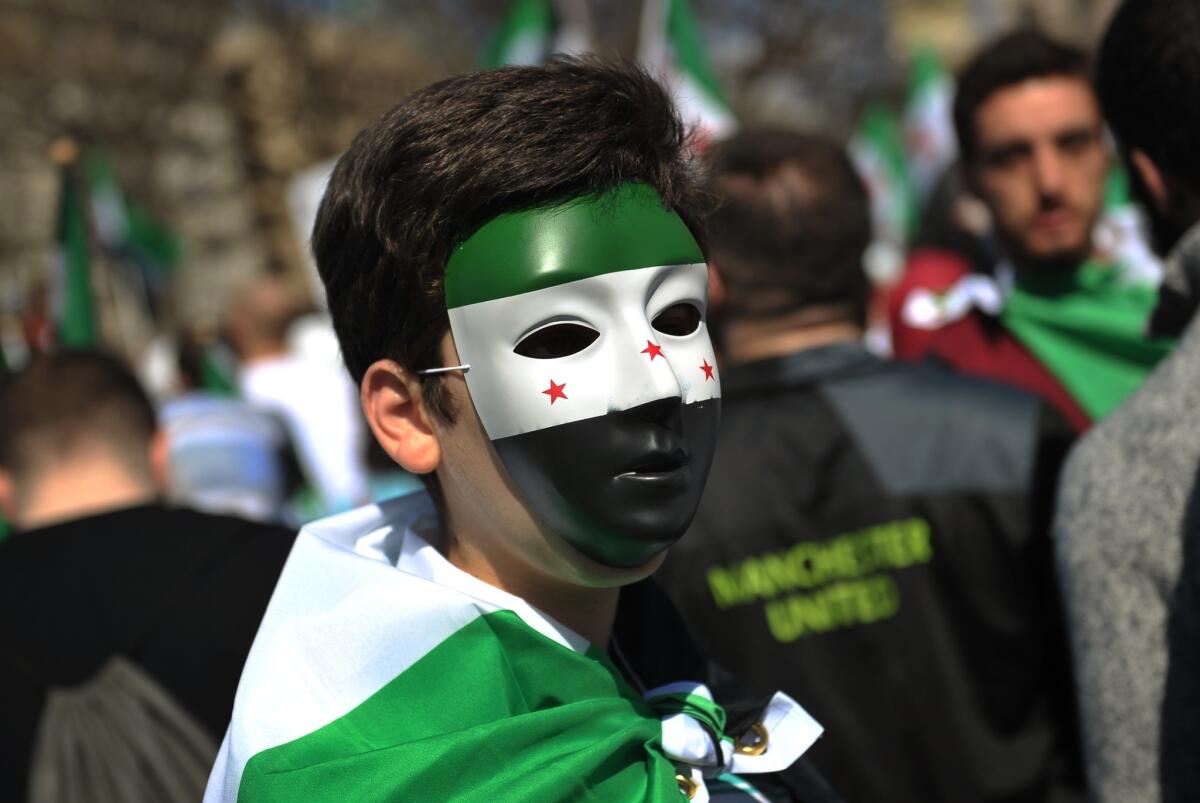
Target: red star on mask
555,391
653,350
707,369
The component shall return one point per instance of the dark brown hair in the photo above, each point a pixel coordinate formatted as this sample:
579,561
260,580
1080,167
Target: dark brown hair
69,399
455,154
791,227
1011,59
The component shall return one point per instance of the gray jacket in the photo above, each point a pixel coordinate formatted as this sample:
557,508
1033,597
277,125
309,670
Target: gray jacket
1118,535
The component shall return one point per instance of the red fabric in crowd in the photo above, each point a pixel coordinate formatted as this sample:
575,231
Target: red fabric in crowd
976,344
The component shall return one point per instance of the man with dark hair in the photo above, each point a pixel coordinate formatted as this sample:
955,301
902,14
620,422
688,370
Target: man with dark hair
870,539
102,587
1128,495
513,269
1057,317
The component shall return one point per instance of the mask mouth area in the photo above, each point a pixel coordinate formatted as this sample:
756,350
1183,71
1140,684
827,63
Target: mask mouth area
657,464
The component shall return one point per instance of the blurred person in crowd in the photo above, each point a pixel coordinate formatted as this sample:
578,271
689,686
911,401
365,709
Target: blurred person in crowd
1122,514
313,397
874,535
225,455
124,623
1057,317
512,263
954,220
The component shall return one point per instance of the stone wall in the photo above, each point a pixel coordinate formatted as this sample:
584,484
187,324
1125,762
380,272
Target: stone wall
206,113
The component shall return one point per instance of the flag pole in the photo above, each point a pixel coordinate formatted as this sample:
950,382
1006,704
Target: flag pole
73,307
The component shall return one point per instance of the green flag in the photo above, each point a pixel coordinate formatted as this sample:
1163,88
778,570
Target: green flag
524,35
382,672
124,225
878,152
216,372
671,47
1088,328
74,308
928,128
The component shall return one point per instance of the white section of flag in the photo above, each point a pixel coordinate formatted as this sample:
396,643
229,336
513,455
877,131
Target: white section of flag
660,54
362,598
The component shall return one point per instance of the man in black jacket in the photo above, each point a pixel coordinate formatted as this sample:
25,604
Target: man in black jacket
872,538
99,571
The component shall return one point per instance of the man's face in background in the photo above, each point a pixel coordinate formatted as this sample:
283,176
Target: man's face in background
1040,165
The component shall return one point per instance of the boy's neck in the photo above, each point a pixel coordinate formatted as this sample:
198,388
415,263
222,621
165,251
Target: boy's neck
588,611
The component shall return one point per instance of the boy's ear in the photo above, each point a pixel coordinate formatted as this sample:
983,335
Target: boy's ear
395,410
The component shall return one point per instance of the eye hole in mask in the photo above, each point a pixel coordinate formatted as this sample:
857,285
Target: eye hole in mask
678,320
556,340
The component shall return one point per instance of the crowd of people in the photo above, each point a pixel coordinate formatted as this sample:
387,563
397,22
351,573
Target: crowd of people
615,502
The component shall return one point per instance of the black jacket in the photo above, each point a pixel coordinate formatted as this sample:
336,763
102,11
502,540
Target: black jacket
179,592
870,542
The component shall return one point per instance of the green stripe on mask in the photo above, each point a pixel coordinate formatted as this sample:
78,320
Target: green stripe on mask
519,252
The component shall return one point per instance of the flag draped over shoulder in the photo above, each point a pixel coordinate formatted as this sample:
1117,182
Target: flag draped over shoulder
1088,328
74,311
382,672
671,47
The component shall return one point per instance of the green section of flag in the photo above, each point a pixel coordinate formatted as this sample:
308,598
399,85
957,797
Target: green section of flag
1088,328
75,309
523,36
216,374
519,252
496,712
926,72
683,33
149,240
879,152
1116,187
125,225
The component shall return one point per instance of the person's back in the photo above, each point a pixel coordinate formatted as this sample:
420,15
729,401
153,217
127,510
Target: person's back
100,578
226,455
1125,529
177,592
866,544
868,539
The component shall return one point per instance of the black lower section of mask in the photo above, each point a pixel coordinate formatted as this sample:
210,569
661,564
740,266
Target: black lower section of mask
621,487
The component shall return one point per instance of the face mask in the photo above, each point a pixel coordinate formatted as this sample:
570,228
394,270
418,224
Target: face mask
591,366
